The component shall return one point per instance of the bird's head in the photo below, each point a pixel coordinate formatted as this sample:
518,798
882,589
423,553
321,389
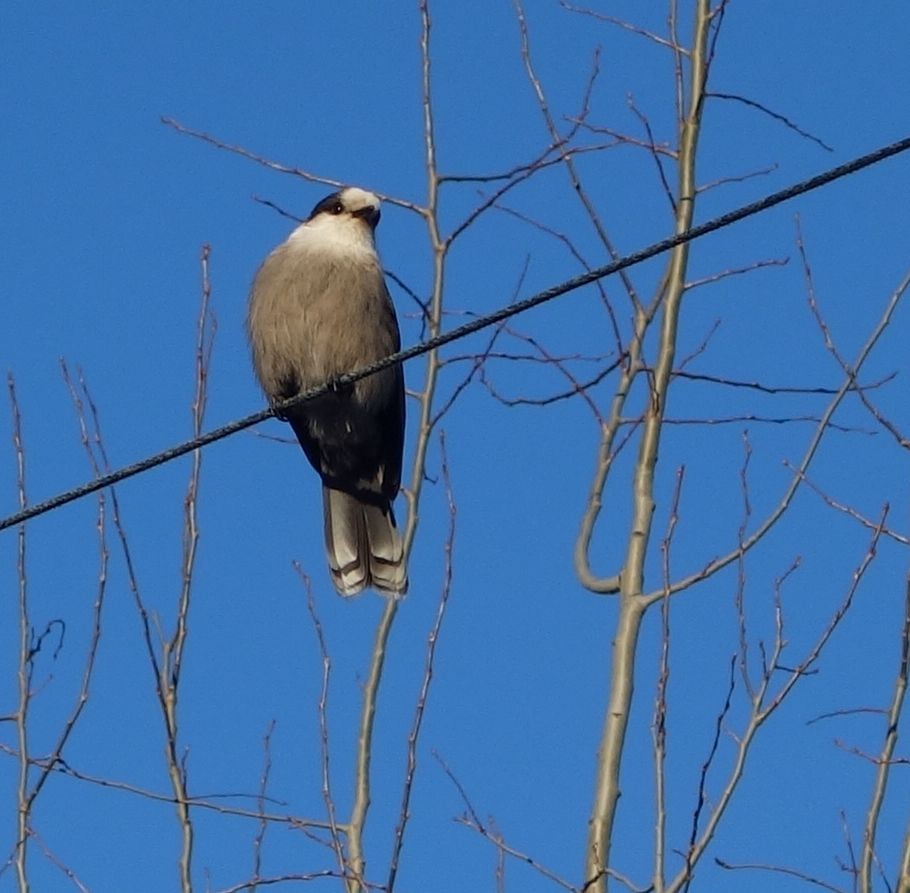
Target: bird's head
344,220
349,204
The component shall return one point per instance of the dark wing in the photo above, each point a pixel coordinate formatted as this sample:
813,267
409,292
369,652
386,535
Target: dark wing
393,438
393,419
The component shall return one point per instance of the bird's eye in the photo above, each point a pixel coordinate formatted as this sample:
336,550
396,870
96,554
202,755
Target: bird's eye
337,208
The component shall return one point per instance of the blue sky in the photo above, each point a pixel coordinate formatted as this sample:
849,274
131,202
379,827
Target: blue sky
104,215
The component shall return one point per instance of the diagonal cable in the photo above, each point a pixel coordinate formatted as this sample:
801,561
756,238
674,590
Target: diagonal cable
482,322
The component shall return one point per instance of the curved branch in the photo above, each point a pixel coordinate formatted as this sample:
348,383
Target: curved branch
632,607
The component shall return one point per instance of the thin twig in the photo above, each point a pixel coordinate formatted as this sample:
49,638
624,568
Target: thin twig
173,650
581,389
58,863
291,877
812,299
203,801
693,851
470,819
851,512
659,722
571,169
655,155
777,389
779,869
847,711
429,662
24,666
576,254
324,749
736,271
627,26
752,418
740,598
274,165
259,839
95,639
98,460
477,364
771,114
737,178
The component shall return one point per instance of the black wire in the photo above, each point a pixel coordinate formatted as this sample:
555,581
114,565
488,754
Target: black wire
468,328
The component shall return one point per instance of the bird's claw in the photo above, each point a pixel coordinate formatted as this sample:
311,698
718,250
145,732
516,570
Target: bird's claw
280,413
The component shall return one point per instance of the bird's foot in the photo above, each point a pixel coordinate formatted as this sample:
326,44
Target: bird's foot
280,412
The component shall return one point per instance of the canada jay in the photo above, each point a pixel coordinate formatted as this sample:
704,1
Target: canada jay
319,307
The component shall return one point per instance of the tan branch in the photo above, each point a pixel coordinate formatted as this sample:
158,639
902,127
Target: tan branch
903,882
429,663
659,722
24,666
886,754
356,823
95,626
324,749
632,607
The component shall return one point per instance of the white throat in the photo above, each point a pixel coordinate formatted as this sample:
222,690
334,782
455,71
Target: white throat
341,234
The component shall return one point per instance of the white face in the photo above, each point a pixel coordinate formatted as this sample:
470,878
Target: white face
355,199
341,222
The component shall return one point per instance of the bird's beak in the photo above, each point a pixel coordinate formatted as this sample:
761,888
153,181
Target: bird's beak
369,213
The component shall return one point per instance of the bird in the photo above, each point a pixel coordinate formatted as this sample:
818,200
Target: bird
318,308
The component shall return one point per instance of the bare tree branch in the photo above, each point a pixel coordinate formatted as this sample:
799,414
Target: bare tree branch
763,703
741,178
631,578
439,247
659,722
849,510
24,667
627,26
736,271
886,755
830,346
849,383
771,114
779,869
576,182
277,166
324,749
776,389
429,662
259,839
